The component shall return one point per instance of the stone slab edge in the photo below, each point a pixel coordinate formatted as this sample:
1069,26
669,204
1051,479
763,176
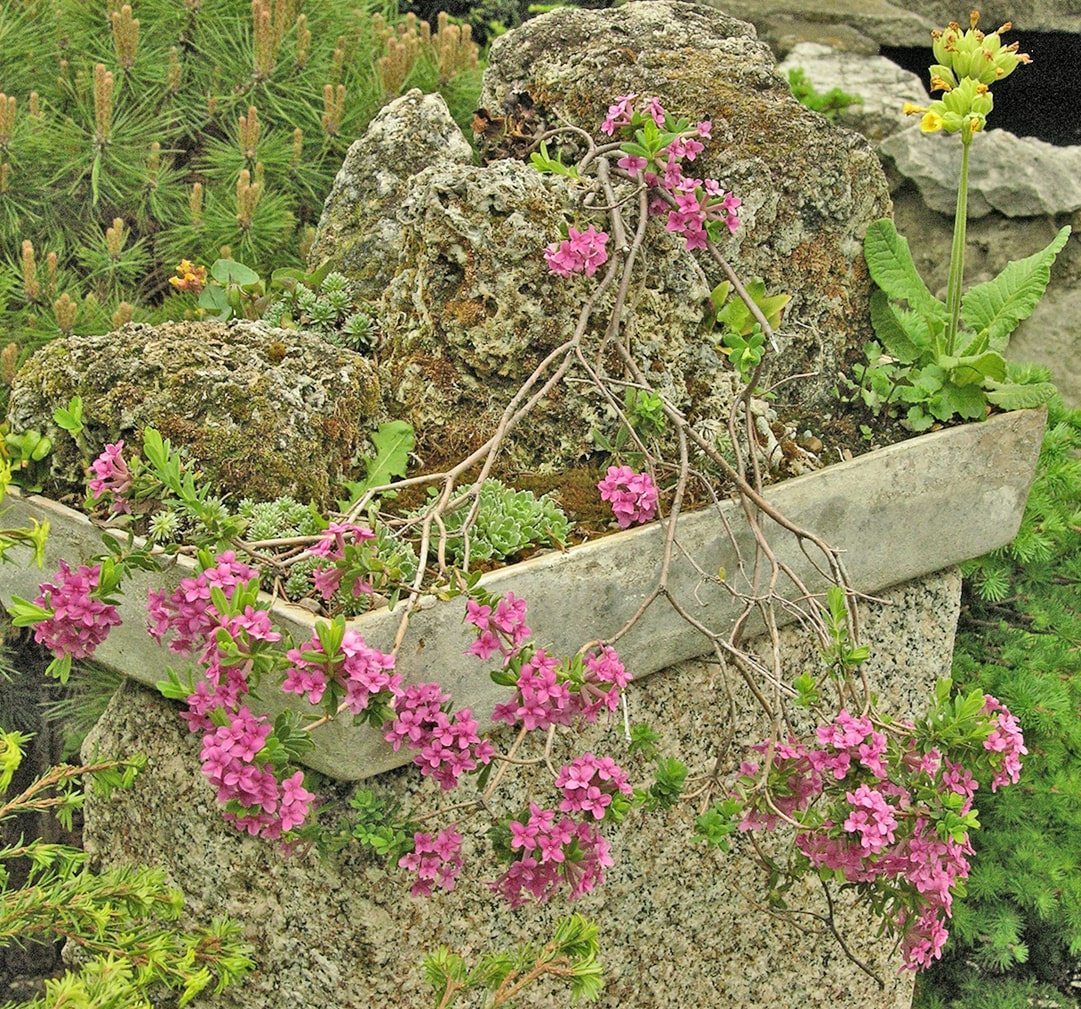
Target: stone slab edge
897,513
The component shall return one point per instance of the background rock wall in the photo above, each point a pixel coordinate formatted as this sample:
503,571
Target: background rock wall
680,926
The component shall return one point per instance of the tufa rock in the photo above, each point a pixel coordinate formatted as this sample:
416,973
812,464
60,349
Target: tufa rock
263,411
809,189
473,310
357,228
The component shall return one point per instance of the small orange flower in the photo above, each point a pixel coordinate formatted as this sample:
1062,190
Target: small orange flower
189,277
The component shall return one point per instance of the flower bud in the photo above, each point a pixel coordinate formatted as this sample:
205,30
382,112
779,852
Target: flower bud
66,311
942,78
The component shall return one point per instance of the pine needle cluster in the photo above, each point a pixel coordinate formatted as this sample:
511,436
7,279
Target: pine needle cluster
1016,939
121,924
135,135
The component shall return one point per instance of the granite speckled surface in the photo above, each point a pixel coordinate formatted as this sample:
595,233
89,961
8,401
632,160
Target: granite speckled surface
680,926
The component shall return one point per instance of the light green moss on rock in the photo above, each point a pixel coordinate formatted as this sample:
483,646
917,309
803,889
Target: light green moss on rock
263,412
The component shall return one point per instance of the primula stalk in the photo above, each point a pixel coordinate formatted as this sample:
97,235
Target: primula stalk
957,252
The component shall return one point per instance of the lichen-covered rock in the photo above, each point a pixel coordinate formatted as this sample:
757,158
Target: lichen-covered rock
262,411
473,309
357,228
809,189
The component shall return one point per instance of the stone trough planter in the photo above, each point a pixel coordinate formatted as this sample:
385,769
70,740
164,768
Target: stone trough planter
904,511
680,925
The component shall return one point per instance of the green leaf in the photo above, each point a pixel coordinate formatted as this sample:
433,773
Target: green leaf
1012,396
228,271
998,305
967,401
393,442
897,341
973,370
918,420
215,299
25,613
890,262
71,417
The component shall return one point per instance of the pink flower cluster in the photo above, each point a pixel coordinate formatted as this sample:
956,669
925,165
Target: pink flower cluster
880,831
226,647
361,671
699,201
588,784
331,546
111,476
446,747
79,622
1005,738
543,698
230,764
555,851
225,678
847,741
436,859
633,496
502,629
580,252
872,818
188,612
621,112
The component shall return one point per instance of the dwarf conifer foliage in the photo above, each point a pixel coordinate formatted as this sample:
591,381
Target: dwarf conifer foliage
1017,935
134,135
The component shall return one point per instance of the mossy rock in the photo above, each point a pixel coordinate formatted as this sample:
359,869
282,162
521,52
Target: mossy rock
357,229
809,188
262,411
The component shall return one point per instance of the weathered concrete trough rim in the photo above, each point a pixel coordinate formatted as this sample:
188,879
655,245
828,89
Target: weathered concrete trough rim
953,494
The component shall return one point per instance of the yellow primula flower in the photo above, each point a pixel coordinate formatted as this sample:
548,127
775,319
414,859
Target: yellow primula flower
931,122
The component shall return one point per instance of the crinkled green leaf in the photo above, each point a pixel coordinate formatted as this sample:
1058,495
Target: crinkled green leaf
393,442
896,338
890,262
998,305
1012,396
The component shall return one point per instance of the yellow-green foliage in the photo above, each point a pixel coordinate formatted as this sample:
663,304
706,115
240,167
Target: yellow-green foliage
136,135
123,921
